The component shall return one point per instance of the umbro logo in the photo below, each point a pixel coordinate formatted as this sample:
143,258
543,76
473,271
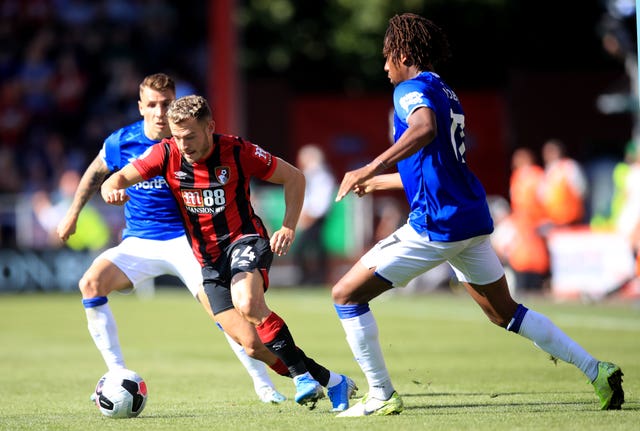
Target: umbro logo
278,345
179,175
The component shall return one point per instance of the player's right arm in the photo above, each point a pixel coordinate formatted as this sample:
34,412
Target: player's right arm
379,182
89,185
114,190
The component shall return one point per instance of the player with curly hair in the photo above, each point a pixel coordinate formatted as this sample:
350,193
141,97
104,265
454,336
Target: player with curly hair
449,222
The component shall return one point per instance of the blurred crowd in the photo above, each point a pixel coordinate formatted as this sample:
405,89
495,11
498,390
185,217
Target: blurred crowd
549,192
69,71
69,74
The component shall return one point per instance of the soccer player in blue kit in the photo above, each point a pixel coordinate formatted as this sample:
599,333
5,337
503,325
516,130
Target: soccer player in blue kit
154,241
449,222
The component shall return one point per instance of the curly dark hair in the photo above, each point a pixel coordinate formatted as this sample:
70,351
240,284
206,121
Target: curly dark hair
422,42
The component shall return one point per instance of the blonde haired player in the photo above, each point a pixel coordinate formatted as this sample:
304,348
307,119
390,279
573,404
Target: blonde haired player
154,242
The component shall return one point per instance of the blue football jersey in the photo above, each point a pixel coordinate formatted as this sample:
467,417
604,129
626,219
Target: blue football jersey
447,201
151,211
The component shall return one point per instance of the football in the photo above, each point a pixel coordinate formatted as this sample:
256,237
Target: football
121,393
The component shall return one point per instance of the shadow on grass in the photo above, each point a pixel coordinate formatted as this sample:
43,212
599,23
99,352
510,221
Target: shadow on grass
534,406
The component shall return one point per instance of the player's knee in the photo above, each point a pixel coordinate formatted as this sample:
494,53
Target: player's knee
340,294
87,288
90,286
249,311
243,307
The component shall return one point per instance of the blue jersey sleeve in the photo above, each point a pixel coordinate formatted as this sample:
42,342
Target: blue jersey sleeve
407,97
151,211
111,151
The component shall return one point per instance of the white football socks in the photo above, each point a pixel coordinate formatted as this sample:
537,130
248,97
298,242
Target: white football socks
547,336
256,369
362,336
103,330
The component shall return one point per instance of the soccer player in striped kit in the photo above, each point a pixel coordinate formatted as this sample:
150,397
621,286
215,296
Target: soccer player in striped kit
209,175
154,242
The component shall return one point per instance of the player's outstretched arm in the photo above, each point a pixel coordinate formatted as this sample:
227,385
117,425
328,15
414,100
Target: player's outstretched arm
114,189
422,130
89,184
379,182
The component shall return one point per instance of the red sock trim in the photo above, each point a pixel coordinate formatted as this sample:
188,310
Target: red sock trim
280,368
268,330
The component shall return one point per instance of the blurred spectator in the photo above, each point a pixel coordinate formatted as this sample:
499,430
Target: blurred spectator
524,250
70,85
14,115
526,176
517,238
627,218
92,232
607,220
564,188
45,160
310,254
9,176
37,72
77,12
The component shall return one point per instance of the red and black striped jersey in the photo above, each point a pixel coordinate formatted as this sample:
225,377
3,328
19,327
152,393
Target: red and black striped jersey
213,194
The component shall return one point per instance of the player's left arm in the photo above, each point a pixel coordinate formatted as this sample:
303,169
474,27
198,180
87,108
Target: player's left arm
293,181
114,189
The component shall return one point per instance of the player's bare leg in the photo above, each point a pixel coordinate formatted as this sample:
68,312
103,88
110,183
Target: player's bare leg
242,332
358,286
262,383
495,300
252,353
247,293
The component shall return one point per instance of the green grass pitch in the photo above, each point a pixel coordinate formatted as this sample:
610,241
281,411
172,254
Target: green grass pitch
454,370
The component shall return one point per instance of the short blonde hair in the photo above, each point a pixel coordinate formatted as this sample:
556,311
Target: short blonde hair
188,107
158,82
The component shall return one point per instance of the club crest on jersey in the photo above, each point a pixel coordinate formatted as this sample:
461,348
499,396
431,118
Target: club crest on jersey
222,174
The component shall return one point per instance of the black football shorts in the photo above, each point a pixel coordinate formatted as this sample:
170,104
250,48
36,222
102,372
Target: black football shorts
244,255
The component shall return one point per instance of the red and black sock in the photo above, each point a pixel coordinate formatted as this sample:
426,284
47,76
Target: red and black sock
320,373
276,336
